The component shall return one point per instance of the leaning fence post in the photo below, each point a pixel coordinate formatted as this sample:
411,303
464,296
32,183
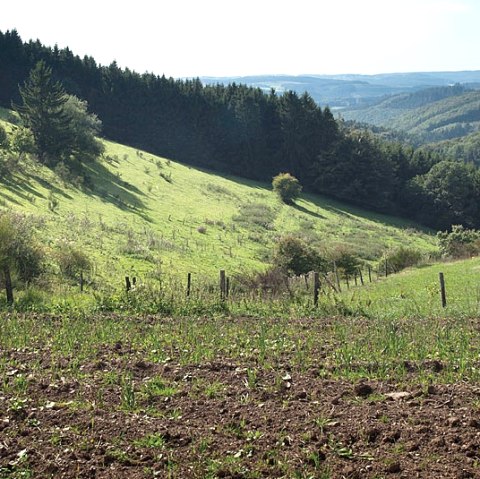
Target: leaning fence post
128,285
442,290
361,276
316,287
223,285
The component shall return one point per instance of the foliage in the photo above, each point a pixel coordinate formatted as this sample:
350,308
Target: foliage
346,260
18,249
287,187
23,141
83,127
72,260
460,242
400,258
42,111
60,124
295,257
448,194
4,143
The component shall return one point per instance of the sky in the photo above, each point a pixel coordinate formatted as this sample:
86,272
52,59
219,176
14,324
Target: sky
190,38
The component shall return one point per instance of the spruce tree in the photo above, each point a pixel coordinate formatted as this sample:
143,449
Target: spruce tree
44,114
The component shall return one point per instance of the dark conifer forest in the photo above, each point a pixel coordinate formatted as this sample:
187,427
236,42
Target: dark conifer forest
245,131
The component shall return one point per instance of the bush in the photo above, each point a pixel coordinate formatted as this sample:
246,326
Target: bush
23,141
3,138
287,187
72,261
346,261
295,257
400,258
460,242
19,252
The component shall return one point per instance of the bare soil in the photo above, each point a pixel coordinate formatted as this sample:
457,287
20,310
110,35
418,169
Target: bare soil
120,416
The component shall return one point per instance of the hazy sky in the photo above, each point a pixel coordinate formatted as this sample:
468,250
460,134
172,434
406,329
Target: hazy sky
221,37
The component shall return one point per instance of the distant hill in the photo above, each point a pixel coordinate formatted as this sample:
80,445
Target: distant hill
429,115
350,90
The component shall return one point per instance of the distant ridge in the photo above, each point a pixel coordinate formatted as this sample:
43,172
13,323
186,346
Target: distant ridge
352,89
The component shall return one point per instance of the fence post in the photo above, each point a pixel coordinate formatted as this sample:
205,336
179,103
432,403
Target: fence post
227,290
442,290
386,267
337,277
189,283
348,284
223,285
369,273
8,285
316,287
361,276
355,277
128,285
81,281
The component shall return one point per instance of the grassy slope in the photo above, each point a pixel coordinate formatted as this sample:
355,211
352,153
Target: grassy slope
416,292
134,218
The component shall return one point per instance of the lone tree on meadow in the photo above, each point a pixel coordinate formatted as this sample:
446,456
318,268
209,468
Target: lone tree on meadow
60,123
43,112
287,187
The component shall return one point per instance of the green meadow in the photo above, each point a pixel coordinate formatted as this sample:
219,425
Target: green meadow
143,215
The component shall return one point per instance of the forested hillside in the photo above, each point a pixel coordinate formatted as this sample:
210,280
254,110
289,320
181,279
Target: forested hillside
430,115
242,130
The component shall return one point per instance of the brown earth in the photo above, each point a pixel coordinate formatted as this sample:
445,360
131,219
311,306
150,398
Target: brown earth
119,416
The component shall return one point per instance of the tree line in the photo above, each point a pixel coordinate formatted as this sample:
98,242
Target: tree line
255,134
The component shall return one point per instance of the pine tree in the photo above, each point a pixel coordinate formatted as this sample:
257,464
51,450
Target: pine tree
43,113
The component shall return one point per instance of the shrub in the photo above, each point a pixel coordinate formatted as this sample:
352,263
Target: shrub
19,252
23,141
72,261
287,187
460,242
345,260
400,258
295,257
3,138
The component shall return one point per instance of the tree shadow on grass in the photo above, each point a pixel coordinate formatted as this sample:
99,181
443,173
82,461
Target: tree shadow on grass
21,188
302,209
110,188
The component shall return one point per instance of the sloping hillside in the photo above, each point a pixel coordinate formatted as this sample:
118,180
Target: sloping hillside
430,115
134,212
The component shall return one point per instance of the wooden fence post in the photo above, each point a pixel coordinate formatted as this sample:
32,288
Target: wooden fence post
348,284
227,289
189,283
128,285
386,267
223,285
361,276
8,285
442,290
369,273
316,288
81,281
355,277
337,276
